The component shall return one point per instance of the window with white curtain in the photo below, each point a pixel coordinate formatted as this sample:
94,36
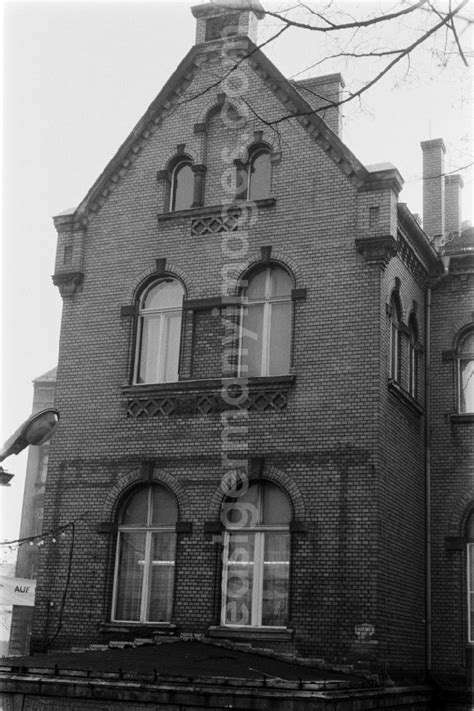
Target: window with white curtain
470,576
145,557
465,372
159,333
256,564
265,347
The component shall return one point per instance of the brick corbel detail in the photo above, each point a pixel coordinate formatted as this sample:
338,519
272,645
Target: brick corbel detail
377,250
68,282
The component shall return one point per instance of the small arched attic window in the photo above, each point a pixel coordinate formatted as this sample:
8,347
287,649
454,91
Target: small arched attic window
182,185
254,178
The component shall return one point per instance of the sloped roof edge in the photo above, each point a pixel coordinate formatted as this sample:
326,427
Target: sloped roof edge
126,146
312,122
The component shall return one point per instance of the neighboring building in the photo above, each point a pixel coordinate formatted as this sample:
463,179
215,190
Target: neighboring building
353,396
32,515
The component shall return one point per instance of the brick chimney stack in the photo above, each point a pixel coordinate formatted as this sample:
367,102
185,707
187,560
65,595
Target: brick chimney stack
453,186
219,19
433,188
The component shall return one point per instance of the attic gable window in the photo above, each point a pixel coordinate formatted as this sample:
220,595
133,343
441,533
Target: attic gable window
222,26
254,178
182,186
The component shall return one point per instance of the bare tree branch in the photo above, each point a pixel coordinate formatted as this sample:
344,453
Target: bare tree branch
347,25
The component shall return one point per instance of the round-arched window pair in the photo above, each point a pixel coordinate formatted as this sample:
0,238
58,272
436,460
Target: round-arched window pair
256,562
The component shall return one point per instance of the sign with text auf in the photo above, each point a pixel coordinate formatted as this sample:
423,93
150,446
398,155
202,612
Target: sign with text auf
17,591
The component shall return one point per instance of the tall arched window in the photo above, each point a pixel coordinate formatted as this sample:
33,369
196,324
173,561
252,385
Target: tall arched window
470,576
465,372
266,323
182,186
145,558
256,565
413,356
159,333
255,177
395,349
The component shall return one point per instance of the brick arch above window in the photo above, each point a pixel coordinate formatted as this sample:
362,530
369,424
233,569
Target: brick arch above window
128,482
172,157
147,275
255,261
273,475
460,514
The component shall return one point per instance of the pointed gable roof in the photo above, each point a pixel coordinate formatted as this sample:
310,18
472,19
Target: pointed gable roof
293,102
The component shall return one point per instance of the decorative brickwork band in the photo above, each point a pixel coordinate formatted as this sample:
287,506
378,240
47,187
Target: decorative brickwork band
205,404
68,282
214,225
377,250
202,397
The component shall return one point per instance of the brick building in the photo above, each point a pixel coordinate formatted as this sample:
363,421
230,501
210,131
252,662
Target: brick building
263,383
32,515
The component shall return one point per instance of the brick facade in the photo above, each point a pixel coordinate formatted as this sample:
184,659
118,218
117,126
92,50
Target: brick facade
346,443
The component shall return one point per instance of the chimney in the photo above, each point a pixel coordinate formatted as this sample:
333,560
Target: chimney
220,19
318,91
433,188
453,186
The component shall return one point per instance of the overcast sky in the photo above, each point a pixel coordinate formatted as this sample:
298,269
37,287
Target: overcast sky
78,76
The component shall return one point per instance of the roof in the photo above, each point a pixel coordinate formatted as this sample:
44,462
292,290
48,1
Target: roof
163,104
176,657
48,377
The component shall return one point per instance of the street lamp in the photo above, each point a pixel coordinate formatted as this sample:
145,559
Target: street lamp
36,430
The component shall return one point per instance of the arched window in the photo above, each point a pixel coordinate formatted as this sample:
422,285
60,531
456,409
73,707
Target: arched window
182,186
145,558
465,372
159,333
256,564
413,356
395,349
470,576
255,177
265,347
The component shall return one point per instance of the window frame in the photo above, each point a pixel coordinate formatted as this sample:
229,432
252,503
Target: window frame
150,530
460,357
395,339
165,315
413,357
267,301
246,168
469,533
179,165
258,531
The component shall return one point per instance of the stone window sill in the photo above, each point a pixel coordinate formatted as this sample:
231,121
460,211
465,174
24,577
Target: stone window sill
205,384
404,397
205,210
278,634
135,627
459,418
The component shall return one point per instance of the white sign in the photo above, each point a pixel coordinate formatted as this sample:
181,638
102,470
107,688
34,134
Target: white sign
17,591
